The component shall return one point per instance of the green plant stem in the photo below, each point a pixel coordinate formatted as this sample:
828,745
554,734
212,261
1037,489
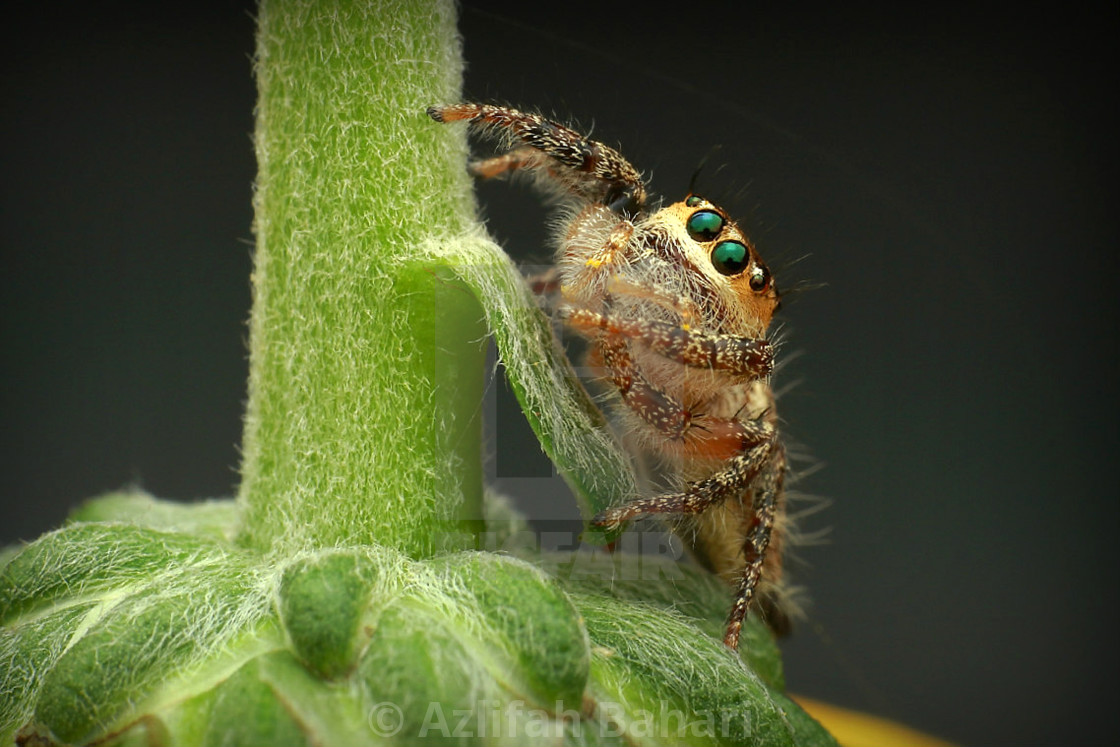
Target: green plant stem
366,353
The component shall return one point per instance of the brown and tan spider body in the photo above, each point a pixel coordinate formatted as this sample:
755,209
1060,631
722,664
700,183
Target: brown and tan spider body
675,304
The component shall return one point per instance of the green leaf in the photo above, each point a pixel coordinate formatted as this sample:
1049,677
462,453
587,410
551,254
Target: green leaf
660,677
28,651
83,560
570,427
216,518
125,657
669,587
351,646
244,709
536,628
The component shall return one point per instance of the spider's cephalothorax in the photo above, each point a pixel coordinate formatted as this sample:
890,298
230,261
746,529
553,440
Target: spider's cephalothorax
675,304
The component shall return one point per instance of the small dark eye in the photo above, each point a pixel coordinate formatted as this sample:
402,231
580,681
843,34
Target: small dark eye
759,278
704,225
730,257
693,200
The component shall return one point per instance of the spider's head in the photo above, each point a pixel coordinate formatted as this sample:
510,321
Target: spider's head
716,249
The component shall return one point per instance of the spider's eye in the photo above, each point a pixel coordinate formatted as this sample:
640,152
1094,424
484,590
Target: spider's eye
759,278
704,225
693,200
730,258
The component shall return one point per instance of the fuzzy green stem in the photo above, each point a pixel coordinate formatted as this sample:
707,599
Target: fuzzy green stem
365,352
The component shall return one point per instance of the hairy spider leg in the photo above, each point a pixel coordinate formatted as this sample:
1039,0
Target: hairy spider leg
589,168
757,470
731,353
767,493
514,160
755,459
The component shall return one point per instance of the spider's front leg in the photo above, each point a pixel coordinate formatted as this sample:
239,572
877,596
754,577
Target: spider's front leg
583,166
743,356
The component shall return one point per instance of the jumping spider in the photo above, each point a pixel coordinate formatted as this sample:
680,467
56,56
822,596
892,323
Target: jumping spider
675,303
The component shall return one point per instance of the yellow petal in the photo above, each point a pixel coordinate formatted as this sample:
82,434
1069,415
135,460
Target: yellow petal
855,729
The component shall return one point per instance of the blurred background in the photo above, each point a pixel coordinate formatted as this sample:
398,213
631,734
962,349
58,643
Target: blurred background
940,185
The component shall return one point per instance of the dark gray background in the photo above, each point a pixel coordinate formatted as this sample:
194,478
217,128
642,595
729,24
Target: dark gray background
946,177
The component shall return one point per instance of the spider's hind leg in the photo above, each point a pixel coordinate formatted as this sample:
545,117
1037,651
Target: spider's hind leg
760,530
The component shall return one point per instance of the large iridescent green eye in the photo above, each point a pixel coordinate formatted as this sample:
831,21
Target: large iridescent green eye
730,258
704,225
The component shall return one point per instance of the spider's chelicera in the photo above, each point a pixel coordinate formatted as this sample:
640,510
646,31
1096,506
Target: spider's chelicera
675,304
